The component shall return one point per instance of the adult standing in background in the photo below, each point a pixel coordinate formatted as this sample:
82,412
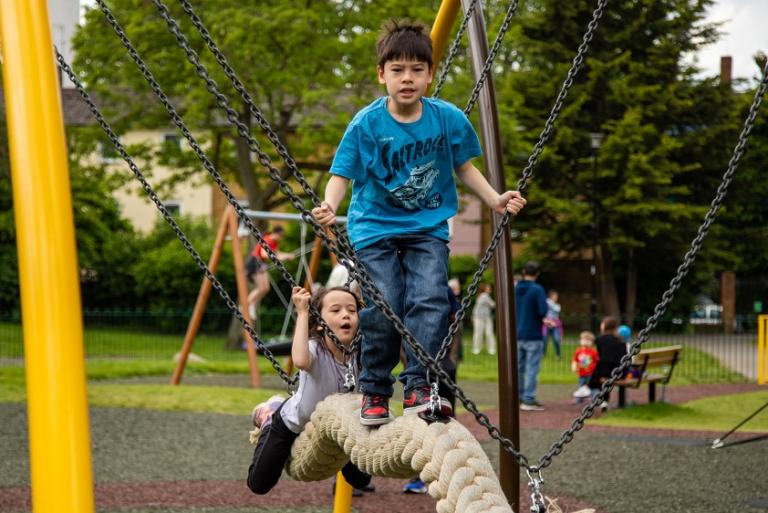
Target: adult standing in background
531,308
482,321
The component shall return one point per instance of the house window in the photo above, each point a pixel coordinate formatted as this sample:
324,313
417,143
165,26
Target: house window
173,207
171,145
108,152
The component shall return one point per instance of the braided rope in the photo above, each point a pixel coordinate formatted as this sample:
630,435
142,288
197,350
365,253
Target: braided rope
446,456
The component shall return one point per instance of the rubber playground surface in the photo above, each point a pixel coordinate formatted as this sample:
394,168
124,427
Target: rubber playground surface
149,462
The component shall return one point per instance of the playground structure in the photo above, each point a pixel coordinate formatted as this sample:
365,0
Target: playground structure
230,228
61,474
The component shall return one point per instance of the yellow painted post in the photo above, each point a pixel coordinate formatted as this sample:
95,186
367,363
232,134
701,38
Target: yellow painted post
342,499
441,29
59,441
762,349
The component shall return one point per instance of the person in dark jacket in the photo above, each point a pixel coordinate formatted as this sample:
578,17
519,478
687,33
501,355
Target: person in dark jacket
531,307
610,350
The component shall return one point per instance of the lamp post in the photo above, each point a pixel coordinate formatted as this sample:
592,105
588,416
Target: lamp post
595,140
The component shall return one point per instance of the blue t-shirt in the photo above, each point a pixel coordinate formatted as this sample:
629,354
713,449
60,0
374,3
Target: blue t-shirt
402,173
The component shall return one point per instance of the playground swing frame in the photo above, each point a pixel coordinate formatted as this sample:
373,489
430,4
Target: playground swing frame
229,228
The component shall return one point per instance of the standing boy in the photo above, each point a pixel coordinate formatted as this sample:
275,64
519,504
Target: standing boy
400,153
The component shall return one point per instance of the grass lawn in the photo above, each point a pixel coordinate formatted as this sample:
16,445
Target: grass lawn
719,413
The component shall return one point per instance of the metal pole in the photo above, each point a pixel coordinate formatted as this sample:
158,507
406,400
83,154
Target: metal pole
509,472
59,438
441,29
593,266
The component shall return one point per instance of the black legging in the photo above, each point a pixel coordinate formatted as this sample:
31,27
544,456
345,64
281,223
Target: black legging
272,452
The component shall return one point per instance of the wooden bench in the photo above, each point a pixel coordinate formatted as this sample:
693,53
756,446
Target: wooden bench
650,366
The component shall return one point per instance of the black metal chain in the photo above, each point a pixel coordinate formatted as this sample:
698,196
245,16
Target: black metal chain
454,50
674,283
527,172
113,137
578,423
243,131
491,57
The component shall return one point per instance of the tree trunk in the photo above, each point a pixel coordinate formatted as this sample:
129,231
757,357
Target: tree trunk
245,168
609,296
630,302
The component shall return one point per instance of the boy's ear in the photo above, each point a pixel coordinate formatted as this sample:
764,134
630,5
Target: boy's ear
380,72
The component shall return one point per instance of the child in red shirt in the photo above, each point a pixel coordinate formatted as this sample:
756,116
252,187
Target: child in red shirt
583,363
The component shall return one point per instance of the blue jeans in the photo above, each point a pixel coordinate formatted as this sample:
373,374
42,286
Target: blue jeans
553,332
411,271
529,354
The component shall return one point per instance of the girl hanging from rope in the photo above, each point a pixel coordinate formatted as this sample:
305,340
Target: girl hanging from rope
324,369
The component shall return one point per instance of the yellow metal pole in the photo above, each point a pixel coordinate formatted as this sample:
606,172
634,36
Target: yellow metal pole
762,356
441,29
59,441
342,499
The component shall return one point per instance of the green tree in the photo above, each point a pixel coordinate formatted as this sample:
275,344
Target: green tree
9,272
646,179
309,65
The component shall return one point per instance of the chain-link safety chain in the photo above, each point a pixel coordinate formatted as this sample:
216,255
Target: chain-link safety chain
372,291
587,412
113,137
242,130
674,283
527,173
376,297
491,57
453,50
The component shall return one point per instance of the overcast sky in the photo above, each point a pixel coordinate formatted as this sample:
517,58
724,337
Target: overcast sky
745,30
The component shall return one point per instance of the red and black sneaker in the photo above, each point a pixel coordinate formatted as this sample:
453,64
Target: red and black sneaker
416,400
375,410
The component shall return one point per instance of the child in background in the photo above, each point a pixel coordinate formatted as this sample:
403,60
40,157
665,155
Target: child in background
583,363
323,370
553,326
610,349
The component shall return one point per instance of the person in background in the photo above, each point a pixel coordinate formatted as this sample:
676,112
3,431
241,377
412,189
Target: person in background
482,321
553,326
583,364
610,350
531,303
256,268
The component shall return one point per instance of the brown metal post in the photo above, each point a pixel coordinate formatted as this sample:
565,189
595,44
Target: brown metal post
314,262
202,299
242,296
509,472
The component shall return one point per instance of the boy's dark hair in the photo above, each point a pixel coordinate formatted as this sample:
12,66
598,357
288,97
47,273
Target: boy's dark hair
278,229
610,324
531,268
317,302
404,39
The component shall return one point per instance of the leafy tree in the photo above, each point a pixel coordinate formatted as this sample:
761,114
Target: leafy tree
9,273
307,64
647,178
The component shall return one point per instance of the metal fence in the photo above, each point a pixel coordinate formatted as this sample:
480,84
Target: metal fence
709,355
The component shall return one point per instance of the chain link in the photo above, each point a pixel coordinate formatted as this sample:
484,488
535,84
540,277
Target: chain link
674,283
491,57
113,137
358,272
453,50
527,173
242,130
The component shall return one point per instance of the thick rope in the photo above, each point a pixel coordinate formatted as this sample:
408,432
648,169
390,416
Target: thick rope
446,456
